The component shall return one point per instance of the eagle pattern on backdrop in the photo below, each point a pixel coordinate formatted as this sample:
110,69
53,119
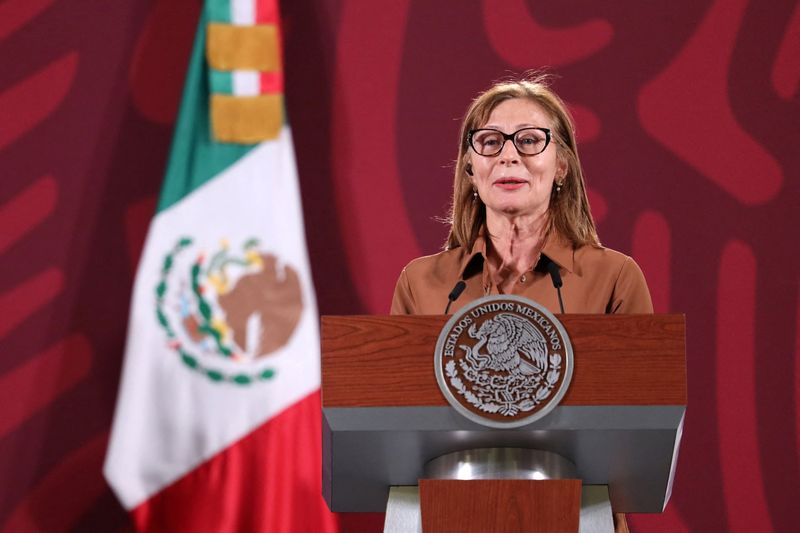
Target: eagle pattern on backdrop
686,113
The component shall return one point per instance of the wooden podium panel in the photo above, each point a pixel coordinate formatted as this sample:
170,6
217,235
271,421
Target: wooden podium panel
384,416
381,361
500,505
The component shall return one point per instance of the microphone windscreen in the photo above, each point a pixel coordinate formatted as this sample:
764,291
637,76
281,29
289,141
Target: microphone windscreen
552,268
457,290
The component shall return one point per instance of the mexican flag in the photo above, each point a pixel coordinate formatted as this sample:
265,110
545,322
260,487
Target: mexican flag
217,425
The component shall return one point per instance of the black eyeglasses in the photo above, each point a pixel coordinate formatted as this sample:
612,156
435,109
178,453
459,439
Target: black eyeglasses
528,141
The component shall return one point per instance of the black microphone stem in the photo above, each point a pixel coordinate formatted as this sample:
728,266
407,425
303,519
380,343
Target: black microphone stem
555,275
454,294
560,301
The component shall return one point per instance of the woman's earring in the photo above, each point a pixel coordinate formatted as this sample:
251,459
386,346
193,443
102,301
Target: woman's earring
558,188
474,195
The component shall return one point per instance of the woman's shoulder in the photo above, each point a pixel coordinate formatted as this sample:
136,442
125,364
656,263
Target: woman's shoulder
443,263
425,283
619,273
590,258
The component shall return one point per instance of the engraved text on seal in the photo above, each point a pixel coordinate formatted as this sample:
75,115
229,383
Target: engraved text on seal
503,361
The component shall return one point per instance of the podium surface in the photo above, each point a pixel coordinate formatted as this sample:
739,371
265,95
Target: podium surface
384,416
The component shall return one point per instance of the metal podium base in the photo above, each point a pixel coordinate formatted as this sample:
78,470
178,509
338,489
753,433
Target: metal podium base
500,463
403,509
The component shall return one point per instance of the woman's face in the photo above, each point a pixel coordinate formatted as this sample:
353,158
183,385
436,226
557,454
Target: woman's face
511,183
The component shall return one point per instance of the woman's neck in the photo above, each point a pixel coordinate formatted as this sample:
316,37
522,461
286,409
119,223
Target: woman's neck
514,245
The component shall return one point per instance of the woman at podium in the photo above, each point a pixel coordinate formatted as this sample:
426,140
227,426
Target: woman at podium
520,221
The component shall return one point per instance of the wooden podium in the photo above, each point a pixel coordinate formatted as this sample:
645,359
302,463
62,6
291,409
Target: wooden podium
385,418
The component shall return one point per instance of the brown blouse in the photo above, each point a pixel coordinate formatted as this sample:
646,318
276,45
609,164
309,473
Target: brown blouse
596,280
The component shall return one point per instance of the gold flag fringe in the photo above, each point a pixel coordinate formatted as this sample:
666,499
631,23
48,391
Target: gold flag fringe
246,119
232,47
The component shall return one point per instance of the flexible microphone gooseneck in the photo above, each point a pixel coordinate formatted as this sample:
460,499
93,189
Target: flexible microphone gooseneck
555,275
454,294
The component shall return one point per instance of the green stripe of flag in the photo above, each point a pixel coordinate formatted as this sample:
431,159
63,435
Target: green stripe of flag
194,158
219,11
221,81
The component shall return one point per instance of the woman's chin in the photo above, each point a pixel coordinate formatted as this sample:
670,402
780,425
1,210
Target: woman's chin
515,209
508,209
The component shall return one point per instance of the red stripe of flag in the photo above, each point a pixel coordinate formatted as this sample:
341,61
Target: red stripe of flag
271,82
270,481
266,12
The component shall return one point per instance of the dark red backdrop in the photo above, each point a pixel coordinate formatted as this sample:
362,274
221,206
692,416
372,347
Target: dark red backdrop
687,114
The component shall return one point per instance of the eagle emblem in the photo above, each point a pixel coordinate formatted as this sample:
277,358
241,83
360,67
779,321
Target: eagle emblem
224,312
512,343
504,361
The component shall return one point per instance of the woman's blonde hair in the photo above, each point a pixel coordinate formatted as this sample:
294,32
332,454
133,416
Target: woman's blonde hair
569,212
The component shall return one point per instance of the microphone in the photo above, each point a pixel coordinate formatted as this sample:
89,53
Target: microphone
454,294
555,275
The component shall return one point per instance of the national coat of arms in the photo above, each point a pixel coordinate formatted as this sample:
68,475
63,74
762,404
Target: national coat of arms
224,312
503,361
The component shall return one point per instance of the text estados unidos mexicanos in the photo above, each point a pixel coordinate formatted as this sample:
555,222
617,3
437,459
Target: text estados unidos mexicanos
547,327
452,337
